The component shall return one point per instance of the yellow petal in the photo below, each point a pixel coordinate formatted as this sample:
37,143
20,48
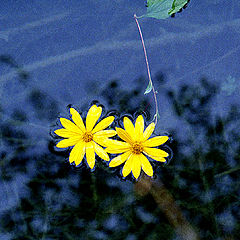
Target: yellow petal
66,133
148,131
76,117
105,133
128,125
114,146
146,166
155,152
93,115
124,135
136,166
100,152
119,159
90,155
70,125
68,142
159,159
77,153
127,166
100,140
103,124
101,137
139,127
155,141
115,150
117,144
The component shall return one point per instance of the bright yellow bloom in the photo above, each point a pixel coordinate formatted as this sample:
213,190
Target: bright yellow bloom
85,139
136,147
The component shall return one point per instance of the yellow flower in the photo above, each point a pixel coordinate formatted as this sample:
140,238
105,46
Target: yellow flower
136,147
85,139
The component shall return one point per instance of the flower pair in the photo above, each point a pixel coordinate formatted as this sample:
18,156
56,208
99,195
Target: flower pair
91,138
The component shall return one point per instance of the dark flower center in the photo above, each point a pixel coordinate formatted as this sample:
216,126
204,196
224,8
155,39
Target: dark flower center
87,137
137,148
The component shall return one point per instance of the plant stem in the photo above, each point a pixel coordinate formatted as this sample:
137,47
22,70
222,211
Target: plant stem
228,171
167,205
148,69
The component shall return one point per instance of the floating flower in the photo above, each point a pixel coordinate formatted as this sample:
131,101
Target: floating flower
136,147
85,139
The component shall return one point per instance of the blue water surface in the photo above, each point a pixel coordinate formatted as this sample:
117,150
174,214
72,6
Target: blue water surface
56,53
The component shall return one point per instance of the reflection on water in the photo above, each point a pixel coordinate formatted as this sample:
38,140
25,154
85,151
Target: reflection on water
44,197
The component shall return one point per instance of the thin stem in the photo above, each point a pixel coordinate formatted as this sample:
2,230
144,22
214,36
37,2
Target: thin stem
148,69
228,171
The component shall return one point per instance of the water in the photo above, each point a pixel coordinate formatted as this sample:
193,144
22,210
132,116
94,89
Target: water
61,53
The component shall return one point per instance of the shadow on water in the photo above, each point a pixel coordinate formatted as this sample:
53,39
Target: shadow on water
54,200
9,61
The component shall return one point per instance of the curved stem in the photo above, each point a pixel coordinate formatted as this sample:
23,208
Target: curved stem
148,69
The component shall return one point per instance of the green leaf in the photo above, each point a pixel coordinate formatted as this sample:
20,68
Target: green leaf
177,5
162,9
150,2
156,116
149,88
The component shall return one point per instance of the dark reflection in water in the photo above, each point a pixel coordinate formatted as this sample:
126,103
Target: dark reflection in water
54,200
8,60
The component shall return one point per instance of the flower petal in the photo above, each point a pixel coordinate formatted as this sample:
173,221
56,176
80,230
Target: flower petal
139,127
100,140
103,124
146,166
124,135
114,146
119,159
76,117
70,125
90,154
105,133
159,159
127,166
136,166
101,137
129,127
65,133
155,141
148,131
77,153
93,115
68,142
100,152
155,152
116,151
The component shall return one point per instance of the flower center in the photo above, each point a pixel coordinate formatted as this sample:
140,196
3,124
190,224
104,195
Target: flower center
137,148
87,137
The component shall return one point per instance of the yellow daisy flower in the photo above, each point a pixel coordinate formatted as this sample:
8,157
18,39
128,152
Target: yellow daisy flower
136,147
85,139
